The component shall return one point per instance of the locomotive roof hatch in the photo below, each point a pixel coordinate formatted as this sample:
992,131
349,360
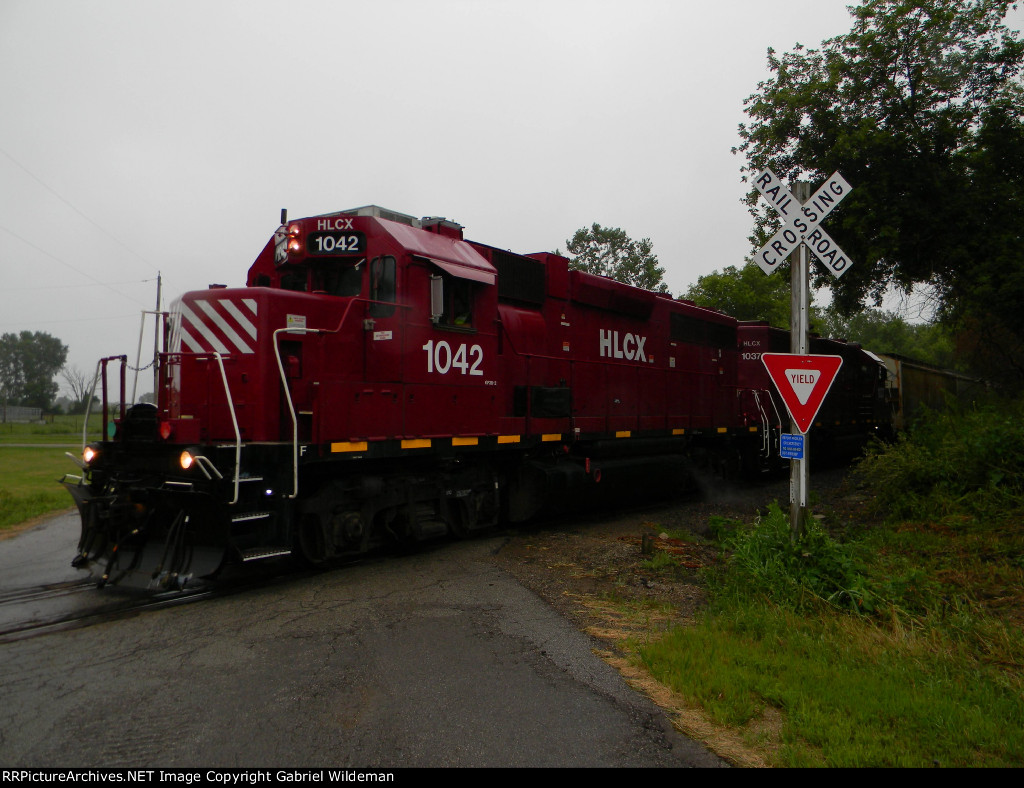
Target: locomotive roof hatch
379,213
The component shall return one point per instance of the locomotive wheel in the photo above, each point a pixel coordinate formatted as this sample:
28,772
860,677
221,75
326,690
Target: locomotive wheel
461,517
311,542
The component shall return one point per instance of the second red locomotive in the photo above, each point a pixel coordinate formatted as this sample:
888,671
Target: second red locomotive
379,378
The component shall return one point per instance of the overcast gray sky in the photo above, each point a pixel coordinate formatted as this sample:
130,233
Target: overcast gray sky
138,137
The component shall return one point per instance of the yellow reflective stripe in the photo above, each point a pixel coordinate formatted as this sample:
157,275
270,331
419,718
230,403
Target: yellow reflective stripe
465,441
349,446
547,438
416,443
623,434
508,439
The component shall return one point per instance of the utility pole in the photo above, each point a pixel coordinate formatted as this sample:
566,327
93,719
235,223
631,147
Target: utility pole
156,339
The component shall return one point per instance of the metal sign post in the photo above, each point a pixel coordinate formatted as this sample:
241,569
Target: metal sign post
801,215
799,327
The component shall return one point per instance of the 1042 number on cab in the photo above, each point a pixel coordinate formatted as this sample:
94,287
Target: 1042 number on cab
441,358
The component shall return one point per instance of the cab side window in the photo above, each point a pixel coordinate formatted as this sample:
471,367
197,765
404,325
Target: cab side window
451,301
383,286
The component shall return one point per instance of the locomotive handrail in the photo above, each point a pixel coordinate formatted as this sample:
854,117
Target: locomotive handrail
234,418
234,424
287,390
288,396
101,369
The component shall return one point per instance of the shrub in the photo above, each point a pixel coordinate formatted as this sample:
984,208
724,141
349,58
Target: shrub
961,461
766,560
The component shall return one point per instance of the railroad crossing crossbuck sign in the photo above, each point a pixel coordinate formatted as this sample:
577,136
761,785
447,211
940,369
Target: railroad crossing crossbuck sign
800,223
803,382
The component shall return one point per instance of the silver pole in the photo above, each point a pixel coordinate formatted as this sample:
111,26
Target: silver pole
798,343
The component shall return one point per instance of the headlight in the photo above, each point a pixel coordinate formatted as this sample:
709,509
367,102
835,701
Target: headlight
186,460
90,454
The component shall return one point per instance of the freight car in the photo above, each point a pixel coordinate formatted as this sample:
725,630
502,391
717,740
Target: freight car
380,379
914,387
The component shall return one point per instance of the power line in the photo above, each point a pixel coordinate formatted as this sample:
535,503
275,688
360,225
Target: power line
69,320
54,192
84,284
65,263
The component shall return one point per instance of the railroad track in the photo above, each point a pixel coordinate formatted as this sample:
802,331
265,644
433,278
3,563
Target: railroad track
47,605
48,591
48,616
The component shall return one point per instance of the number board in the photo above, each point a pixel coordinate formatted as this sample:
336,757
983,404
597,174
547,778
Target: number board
335,243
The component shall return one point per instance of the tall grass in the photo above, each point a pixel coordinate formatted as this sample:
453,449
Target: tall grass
899,645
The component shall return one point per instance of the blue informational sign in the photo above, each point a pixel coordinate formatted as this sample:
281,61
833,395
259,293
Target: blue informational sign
791,447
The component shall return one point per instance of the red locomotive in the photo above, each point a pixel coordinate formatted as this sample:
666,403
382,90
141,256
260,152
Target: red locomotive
381,379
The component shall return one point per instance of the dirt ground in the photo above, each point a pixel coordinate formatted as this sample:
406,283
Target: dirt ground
592,570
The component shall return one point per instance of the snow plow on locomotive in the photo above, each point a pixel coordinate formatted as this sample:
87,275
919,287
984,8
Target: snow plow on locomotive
381,379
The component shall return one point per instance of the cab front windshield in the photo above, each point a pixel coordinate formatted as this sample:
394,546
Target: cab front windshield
339,278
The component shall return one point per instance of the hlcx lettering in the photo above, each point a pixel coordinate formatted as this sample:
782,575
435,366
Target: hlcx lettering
631,346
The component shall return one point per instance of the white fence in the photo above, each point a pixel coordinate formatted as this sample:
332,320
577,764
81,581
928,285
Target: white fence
20,414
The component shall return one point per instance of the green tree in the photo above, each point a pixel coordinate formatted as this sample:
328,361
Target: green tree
745,293
921,107
29,361
887,332
608,251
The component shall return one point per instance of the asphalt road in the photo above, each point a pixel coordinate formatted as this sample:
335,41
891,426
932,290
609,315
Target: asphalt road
433,660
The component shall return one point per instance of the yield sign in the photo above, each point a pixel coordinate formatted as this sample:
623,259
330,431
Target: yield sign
803,382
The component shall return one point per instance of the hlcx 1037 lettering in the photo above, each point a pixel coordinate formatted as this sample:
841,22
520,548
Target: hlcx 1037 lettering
441,359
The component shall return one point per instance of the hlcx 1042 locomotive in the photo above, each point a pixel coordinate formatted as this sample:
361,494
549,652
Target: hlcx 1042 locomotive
381,379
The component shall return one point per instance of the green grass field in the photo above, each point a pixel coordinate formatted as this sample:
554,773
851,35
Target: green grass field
29,482
59,429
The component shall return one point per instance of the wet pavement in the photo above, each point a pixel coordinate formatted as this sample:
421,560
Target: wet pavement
434,659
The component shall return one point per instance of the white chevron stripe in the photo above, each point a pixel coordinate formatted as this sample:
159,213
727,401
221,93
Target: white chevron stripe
189,343
246,324
190,318
229,332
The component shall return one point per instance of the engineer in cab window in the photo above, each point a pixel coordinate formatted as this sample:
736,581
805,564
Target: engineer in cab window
461,310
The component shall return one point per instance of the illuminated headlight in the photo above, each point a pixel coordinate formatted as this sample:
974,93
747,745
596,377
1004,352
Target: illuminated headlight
294,244
90,454
186,460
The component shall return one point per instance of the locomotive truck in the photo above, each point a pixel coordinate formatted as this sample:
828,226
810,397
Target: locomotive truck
382,380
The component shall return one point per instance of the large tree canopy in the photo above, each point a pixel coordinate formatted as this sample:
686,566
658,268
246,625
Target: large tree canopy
744,293
28,364
921,107
608,251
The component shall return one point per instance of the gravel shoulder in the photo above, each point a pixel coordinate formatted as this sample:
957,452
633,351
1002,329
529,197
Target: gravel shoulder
592,570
